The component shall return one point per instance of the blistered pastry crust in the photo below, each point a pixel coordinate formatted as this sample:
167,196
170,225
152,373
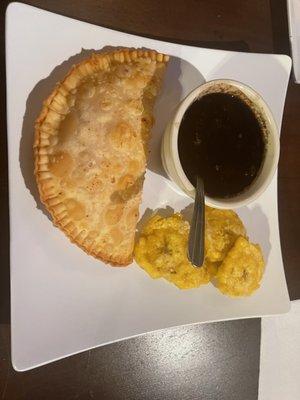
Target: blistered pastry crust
69,201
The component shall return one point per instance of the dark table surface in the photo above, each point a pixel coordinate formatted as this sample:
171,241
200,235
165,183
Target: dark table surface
213,361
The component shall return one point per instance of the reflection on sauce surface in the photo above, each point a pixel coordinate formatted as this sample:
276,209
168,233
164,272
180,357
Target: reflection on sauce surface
221,139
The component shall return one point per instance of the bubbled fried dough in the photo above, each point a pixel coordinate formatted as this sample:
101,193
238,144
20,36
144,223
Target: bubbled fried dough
91,149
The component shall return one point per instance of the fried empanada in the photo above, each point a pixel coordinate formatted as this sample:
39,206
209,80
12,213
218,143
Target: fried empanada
91,145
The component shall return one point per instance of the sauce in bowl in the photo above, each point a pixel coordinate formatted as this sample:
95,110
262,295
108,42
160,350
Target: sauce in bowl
222,140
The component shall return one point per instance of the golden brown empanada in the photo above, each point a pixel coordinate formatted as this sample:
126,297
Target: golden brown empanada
91,148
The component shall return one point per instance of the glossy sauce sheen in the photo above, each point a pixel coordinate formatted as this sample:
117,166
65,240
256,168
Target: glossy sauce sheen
221,140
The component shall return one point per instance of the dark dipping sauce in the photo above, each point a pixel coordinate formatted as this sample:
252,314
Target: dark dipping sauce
221,140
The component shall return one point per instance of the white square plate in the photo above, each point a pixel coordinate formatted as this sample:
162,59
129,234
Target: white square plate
63,301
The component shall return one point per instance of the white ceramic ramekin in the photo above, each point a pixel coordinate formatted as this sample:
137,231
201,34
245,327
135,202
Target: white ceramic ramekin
170,155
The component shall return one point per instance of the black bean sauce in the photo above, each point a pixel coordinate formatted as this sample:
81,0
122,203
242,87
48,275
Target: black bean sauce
221,139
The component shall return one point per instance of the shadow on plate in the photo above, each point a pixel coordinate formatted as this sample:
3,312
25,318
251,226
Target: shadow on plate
257,227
